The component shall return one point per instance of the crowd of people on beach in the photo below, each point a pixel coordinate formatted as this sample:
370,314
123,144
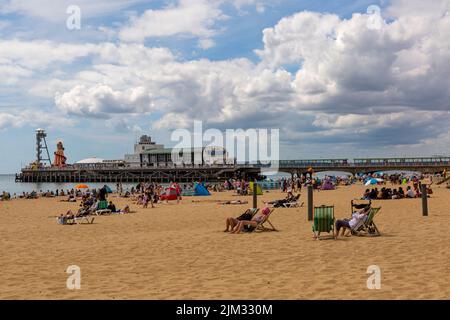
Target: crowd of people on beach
152,193
91,202
148,194
394,194
397,193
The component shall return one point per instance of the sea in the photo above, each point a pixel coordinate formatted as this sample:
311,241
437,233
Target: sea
8,183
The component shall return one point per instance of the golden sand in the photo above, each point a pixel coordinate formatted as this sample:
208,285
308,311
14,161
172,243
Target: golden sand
180,252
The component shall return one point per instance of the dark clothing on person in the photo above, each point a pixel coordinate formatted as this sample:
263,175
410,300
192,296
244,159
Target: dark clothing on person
102,194
245,217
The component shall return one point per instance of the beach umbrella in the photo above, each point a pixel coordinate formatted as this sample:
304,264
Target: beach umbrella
372,182
82,186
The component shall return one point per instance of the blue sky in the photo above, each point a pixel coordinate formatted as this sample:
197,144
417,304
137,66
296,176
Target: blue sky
337,81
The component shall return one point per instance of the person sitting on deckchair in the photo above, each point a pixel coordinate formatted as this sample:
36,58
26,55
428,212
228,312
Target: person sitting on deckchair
63,218
345,224
250,226
84,211
233,222
70,216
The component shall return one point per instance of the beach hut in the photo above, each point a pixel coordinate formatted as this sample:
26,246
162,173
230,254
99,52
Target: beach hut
258,189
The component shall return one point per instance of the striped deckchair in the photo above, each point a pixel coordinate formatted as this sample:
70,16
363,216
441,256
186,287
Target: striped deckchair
323,220
368,225
254,211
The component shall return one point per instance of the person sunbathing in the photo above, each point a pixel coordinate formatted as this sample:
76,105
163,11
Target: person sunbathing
125,210
69,217
65,217
234,202
279,203
251,225
345,224
84,211
32,195
233,222
70,198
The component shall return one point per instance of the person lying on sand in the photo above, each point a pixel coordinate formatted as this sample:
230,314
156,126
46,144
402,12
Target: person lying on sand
234,202
70,198
345,224
251,225
233,222
126,209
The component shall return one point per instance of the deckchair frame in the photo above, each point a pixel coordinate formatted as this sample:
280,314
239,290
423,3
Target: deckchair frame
368,225
79,220
103,212
293,204
261,226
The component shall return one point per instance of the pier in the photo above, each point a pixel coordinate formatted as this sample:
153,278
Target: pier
167,173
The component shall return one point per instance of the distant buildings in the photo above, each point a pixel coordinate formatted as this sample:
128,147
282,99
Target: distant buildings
149,154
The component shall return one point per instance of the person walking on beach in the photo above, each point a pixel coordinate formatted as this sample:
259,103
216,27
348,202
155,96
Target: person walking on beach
145,201
102,193
178,191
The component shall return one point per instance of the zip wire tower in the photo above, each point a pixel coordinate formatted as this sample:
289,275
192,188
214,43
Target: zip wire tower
41,145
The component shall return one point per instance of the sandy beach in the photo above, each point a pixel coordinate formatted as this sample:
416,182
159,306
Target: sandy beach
181,252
